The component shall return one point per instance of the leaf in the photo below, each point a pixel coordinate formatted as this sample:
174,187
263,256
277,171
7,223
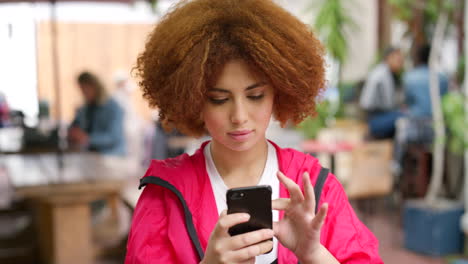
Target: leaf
453,110
312,125
331,21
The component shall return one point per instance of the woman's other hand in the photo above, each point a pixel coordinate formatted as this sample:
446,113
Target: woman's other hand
299,230
243,248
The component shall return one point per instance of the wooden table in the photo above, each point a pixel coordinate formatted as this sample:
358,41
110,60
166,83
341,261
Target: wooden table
330,148
62,197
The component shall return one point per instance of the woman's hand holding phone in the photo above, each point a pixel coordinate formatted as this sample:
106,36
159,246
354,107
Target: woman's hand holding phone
243,248
299,230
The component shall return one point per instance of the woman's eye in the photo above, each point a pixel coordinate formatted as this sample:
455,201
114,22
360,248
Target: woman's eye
256,97
217,101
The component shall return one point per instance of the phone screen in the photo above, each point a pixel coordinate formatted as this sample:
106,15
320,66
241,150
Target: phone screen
256,201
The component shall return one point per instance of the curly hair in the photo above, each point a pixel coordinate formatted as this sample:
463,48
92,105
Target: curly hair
187,49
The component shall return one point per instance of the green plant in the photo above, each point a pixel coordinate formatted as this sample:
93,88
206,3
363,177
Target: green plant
427,22
154,5
331,23
312,125
452,107
329,109
421,16
405,9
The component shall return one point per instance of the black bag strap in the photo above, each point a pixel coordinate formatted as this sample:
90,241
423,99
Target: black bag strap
322,177
188,215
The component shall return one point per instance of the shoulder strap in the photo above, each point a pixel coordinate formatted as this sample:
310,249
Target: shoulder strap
188,215
322,177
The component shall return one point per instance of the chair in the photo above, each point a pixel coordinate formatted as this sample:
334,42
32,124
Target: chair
414,140
416,171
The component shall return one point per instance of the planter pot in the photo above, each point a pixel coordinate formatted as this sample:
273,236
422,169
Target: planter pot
459,261
433,229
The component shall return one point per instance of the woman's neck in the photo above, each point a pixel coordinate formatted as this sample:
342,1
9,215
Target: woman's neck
240,168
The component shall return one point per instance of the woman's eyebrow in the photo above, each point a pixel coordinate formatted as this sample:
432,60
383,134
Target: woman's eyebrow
250,87
253,86
214,89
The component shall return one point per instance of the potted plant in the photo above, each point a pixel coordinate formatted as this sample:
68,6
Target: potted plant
431,225
331,22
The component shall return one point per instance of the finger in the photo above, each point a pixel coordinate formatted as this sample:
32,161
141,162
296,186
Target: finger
226,221
249,261
276,228
250,238
319,218
309,194
223,213
293,188
252,251
280,203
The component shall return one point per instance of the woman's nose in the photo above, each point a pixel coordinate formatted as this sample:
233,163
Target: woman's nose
239,113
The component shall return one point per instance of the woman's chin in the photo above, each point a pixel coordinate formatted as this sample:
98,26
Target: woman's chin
241,146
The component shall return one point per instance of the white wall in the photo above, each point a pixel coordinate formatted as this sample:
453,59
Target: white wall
18,80
362,42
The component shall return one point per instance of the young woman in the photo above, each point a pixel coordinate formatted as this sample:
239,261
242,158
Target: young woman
225,67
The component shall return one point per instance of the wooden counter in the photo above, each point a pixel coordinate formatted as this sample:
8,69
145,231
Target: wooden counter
62,198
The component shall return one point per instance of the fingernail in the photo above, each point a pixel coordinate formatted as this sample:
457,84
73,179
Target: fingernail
245,216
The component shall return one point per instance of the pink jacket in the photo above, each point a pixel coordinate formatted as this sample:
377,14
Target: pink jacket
159,234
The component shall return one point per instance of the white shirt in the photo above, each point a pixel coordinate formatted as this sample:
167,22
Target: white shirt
268,178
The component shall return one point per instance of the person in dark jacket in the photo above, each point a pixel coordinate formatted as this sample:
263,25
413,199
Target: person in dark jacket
380,97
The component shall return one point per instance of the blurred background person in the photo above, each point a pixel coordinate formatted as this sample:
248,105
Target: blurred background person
98,124
416,86
416,125
380,97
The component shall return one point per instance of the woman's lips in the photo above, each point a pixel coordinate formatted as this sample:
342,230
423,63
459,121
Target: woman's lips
241,135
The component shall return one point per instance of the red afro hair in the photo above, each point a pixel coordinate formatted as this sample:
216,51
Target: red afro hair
188,48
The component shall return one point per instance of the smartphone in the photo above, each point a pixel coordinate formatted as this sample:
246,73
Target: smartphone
256,201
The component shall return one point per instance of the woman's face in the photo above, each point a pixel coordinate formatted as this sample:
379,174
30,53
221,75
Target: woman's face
238,108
